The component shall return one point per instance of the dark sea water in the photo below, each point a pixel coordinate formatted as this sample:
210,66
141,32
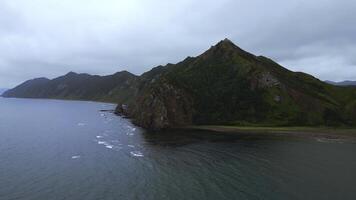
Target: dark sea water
61,150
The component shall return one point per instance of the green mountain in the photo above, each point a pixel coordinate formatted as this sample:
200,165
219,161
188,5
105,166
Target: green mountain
227,85
112,88
224,85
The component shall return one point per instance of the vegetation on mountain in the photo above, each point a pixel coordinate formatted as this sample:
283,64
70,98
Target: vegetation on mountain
112,88
227,85
223,86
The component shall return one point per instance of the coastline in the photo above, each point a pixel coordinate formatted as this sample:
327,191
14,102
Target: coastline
331,133
64,99
305,132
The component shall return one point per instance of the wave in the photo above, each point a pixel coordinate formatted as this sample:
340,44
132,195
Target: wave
136,153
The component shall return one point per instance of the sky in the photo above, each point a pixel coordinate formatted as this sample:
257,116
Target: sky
48,38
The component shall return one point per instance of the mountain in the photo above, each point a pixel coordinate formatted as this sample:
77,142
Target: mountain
342,83
2,90
112,88
225,85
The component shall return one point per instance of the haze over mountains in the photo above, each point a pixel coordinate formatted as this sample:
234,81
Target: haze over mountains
224,85
2,90
343,83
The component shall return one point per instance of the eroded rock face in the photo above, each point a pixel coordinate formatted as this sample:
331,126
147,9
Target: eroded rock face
122,110
268,80
163,106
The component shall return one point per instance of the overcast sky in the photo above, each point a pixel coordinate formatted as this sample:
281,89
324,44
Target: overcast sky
48,38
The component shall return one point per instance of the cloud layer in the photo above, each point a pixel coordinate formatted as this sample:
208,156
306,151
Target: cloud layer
51,37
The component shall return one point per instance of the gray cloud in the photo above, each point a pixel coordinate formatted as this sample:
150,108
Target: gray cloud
51,37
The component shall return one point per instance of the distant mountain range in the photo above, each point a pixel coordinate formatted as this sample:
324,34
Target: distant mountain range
343,83
75,86
2,90
225,85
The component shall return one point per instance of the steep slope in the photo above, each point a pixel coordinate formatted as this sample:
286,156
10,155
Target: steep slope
112,88
31,88
227,85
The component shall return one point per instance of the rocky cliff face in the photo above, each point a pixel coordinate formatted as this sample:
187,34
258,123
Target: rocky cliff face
163,105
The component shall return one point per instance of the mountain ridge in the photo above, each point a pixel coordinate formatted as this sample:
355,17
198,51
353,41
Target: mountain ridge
223,85
2,90
76,86
342,83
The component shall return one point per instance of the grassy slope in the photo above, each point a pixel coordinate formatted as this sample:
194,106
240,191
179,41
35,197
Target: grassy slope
220,81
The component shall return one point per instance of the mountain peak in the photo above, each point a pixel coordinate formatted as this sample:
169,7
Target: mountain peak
124,73
71,73
225,43
226,48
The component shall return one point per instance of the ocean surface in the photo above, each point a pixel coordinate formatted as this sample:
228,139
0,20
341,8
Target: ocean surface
52,149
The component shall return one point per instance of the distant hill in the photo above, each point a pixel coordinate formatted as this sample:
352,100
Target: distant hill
343,83
2,90
112,88
225,85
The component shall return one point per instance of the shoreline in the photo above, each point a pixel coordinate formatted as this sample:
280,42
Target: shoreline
305,132
64,99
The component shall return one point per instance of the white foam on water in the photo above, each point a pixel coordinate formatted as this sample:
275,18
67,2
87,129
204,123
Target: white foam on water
326,140
103,115
99,136
76,157
136,153
133,129
108,145
130,134
81,124
132,146
102,142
